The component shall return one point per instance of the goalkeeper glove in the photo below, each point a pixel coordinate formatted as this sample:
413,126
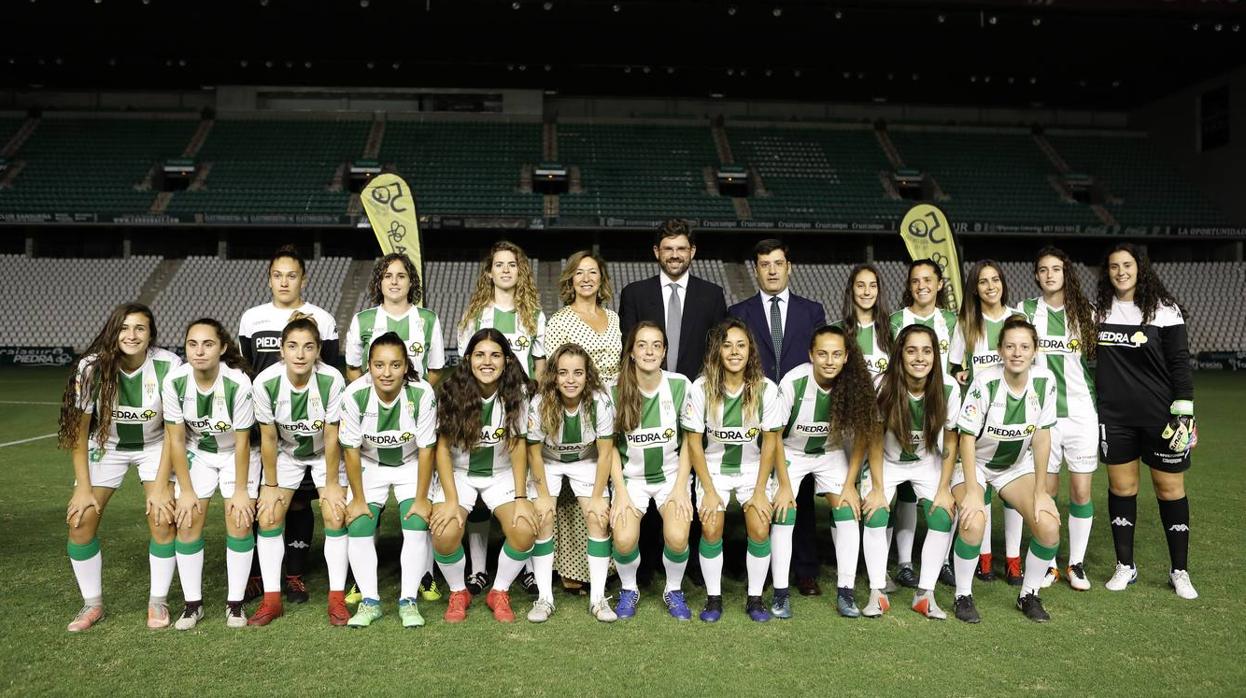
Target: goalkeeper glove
1181,433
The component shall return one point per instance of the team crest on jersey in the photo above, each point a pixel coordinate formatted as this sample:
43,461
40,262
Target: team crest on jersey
149,389
416,348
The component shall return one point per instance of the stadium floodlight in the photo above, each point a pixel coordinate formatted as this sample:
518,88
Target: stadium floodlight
733,180
550,178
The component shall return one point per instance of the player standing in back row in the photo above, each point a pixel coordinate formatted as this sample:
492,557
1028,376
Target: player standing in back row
1146,407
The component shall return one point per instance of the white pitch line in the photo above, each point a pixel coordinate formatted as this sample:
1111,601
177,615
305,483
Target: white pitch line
26,441
26,402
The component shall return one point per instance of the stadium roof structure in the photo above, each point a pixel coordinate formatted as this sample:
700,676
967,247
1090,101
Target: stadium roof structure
1100,54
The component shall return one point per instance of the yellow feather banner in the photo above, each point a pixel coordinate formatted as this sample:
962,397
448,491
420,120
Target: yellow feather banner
928,235
391,211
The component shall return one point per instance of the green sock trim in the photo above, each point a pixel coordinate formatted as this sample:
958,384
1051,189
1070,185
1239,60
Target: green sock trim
789,519
625,558
240,545
478,515
1082,511
273,533
414,523
449,558
937,518
85,551
517,555
184,548
758,548
673,556
599,548
543,547
361,527
878,519
708,549
988,495
966,551
842,513
1041,551
334,532
161,550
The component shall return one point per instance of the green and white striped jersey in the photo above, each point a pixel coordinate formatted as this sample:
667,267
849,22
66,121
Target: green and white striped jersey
733,439
808,411
300,414
1060,351
419,329
1005,423
651,450
917,450
875,357
526,345
576,440
985,348
388,433
138,411
943,322
491,455
211,418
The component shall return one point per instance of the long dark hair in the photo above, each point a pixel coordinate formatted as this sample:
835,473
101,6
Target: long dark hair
101,362
715,374
906,299
551,402
459,398
627,404
1078,311
391,339
231,356
893,401
1149,294
414,292
853,407
881,312
970,322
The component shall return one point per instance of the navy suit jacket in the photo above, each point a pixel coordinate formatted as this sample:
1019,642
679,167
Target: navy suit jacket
803,317
704,307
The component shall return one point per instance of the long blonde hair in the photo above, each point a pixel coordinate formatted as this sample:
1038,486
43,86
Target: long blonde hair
551,401
566,279
715,374
527,299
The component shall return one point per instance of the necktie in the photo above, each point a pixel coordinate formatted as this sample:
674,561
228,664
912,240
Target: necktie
674,318
776,332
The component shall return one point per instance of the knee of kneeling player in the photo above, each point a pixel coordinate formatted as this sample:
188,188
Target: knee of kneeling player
520,538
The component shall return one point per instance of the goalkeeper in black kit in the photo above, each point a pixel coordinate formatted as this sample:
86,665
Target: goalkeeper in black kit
1146,408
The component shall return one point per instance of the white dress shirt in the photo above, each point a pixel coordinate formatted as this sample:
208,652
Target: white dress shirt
681,287
784,297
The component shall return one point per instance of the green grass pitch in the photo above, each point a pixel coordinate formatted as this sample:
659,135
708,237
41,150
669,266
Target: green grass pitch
1144,641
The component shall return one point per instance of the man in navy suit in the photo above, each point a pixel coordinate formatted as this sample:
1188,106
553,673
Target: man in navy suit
686,307
783,324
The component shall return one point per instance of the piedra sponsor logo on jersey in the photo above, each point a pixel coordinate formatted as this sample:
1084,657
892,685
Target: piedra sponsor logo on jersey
267,341
566,449
985,359
1009,433
733,435
305,427
416,348
207,426
1058,345
811,429
491,436
650,437
943,346
391,439
126,415
1112,338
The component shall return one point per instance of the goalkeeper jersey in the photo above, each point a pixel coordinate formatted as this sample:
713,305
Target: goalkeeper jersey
1142,367
211,417
733,438
388,433
1003,423
137,409
1060,351
299,413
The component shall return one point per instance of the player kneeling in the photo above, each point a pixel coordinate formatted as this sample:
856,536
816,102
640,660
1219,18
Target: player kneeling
481,452
298,407
651,466
1005,425
918,404
387,436
570,432
741,412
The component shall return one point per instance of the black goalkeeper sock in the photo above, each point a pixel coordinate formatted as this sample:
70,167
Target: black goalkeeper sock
300,526
1176,517
1124,514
